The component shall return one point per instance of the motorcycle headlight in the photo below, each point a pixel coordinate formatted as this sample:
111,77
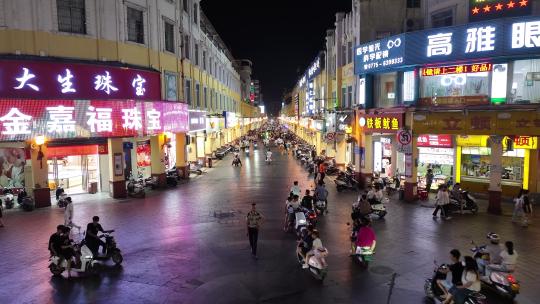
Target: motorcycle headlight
88,257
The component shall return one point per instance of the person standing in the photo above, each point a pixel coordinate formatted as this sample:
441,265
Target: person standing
527,208
429,179
68,215
253,223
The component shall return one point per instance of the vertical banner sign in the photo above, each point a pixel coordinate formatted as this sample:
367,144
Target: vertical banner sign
362,91
498,83
408,165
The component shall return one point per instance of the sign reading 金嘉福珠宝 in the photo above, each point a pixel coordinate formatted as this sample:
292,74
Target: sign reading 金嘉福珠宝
23,79
26,119
489,39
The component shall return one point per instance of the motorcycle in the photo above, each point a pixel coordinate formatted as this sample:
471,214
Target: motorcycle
111,250
195,168
332,170
434,292
467,200
346,183
87,263
9,199
316,265
135,189
62,200
321,207
149,182
378,209
172,177
236,162
25,202
503,283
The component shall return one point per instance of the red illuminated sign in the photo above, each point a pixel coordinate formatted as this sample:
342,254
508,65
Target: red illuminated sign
457,69
435,141
57,80
26,119
491,9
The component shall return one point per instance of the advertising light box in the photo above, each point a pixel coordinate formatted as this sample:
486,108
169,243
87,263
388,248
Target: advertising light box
508,37
26,119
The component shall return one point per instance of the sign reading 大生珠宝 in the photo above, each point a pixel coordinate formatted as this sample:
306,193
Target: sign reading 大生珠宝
490,39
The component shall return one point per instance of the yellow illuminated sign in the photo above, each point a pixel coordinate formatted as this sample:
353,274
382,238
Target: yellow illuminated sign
520,142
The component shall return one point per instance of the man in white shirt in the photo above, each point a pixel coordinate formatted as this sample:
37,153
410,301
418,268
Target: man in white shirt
295,189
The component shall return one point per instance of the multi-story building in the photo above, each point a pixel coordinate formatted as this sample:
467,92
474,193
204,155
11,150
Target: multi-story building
108,88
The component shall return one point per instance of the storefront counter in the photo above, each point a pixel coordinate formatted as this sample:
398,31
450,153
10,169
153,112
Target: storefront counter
481,185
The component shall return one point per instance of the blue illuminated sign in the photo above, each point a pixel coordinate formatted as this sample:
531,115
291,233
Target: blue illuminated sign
483,40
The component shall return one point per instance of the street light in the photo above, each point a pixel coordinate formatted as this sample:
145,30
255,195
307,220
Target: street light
40,141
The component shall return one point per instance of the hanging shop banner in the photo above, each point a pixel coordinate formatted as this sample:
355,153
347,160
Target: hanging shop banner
508,37
26,119
214,124
478,123
143,153
381,123
57,80
434,141
13,162
231,121
197,120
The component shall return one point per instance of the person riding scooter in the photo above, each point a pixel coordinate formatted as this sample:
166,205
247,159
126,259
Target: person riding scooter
365,237
307,200
306,242
491,254
375,195
317,251
92,239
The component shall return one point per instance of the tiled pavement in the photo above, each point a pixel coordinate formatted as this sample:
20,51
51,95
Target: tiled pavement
178,250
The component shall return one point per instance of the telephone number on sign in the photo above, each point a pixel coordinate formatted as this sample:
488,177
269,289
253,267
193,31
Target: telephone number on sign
393,61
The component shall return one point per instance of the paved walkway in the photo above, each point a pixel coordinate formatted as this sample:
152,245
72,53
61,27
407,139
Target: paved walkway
188,245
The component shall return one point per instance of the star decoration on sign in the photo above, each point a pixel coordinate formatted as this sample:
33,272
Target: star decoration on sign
499,6
523,2
475,10
487,8
511,4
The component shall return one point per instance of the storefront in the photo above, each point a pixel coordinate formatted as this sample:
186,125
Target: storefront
67,116
195,146
436,152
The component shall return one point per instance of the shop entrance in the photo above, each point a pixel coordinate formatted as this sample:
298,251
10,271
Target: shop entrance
382,155
75,168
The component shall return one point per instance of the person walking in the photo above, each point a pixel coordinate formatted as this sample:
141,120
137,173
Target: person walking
253,223
442,201
68,215
527,209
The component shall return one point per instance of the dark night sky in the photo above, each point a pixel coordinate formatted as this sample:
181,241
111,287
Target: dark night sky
279,36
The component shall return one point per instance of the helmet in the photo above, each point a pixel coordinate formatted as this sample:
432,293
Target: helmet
493,238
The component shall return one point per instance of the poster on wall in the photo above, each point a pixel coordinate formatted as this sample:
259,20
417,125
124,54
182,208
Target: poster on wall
12,162
143,153
408,165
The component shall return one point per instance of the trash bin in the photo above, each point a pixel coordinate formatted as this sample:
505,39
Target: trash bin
92,188
209,162
401,194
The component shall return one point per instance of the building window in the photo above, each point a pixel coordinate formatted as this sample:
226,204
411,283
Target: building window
169,37
197,95
204,60
349,96
186,7
344,97
476,164
196,54
385,90
526,82
442,19
454,89
135,25
71,16
413,3
195,13
187,91
205,97
186,46
349,52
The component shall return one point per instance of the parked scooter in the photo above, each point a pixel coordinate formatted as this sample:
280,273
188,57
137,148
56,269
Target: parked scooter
434,292
320,207
467,200
25,202
9,199
503,283
378,209
316,265
135,188
62,200
172,177
346,183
